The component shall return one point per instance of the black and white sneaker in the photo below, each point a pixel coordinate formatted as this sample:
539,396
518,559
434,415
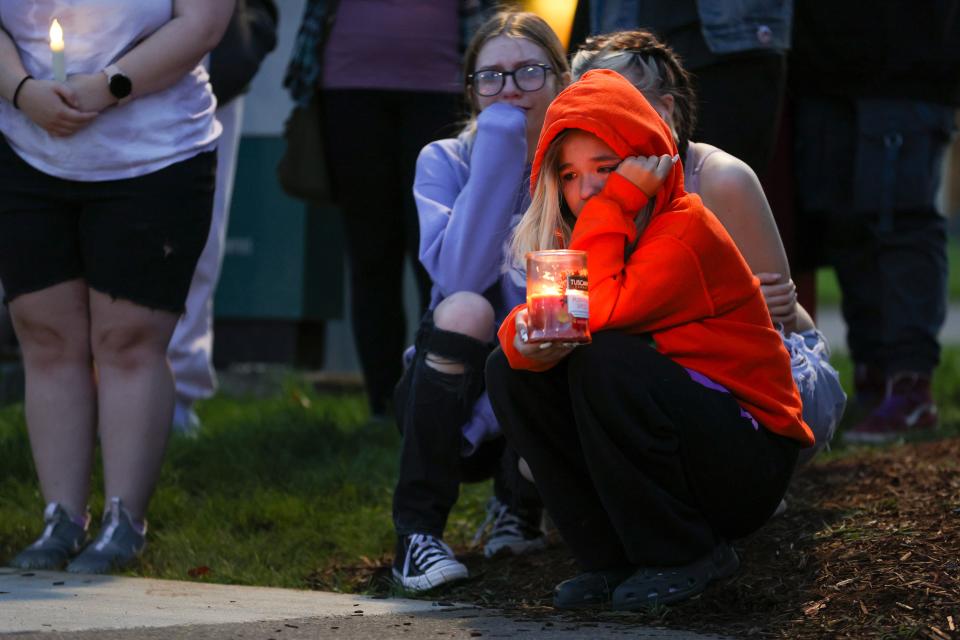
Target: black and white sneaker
423,562
514,531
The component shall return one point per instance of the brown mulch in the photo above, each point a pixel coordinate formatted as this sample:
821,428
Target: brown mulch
869,547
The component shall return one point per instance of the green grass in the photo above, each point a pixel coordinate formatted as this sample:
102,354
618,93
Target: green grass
828,291
272,490
275,489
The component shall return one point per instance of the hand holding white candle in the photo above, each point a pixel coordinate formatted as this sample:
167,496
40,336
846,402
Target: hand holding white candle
56,49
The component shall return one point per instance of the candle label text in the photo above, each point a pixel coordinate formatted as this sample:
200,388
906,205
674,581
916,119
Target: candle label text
577,301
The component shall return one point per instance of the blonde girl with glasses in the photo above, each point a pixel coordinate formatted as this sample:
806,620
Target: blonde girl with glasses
470,192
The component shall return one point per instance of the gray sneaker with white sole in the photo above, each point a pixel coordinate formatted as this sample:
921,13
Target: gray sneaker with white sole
62,539
118,545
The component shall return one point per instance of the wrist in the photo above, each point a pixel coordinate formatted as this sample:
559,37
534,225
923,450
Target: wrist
118,86
14,99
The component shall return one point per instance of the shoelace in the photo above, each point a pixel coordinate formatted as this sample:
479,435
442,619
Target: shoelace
425,551
501,521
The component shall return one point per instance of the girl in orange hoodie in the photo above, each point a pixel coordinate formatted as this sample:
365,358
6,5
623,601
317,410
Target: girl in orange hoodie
678,427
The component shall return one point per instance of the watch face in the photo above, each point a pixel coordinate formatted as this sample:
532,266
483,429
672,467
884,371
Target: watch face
120,86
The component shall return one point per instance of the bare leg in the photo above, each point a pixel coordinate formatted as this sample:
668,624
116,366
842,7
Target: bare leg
136,395
53,328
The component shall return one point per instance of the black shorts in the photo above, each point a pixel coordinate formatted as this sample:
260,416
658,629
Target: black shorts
138,239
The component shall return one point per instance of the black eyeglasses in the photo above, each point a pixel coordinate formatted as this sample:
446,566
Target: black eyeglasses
490,82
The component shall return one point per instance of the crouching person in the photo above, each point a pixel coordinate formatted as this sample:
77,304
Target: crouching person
677,429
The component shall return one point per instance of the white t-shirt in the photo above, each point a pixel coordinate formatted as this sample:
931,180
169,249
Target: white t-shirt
142,136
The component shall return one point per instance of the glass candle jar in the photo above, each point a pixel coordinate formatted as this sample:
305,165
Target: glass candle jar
557,300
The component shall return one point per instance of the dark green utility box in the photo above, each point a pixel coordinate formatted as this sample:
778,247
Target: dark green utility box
282,273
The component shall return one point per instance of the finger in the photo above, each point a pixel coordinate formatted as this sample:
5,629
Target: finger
780,301
520,322
67,94
781,310
777,290
787,286
72,116
768,278
664,166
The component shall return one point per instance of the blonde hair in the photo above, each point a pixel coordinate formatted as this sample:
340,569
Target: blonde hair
544,225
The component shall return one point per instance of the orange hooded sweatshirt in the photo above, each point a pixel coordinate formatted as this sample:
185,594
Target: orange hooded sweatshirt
686,283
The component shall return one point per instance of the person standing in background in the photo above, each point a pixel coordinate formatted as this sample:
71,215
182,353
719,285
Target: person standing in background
736,54
388,71
106,191
876,92
251,35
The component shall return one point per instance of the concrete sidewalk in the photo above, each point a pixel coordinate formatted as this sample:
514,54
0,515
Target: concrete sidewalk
48,605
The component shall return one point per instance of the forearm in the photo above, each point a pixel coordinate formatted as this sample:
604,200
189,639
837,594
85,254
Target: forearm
660,284
11,67
479,225
178,46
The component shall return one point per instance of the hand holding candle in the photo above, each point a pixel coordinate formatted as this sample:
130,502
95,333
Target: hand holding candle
557,300
56,50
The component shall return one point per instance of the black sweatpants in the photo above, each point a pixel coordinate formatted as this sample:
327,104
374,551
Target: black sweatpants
432,408
636,462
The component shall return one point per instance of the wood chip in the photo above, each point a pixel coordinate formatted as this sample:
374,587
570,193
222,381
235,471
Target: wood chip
904,557
905,606
940,634
950,623
863,608
813,608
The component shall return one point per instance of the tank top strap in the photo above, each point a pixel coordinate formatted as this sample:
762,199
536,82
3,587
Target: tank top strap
692,168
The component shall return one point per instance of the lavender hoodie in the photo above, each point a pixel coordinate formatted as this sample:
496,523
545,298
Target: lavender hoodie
470,194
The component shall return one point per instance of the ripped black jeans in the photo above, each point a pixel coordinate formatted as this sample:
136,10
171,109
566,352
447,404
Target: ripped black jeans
432,408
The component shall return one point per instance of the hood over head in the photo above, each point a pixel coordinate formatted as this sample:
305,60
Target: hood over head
605,104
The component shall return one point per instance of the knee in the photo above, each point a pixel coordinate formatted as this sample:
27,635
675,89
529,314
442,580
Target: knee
468,318
467,313
127,348
46,345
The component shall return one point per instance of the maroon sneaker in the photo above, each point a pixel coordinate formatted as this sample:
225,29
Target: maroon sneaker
907,409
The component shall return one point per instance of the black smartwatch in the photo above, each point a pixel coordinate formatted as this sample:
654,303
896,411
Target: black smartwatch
120,85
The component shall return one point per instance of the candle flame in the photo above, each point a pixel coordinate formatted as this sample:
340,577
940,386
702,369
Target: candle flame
547,290
56,36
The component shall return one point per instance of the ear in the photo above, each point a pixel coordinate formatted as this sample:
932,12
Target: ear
667,101
563,80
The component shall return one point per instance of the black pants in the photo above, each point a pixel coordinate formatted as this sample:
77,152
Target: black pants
372,139
867,175
637,463
432,407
